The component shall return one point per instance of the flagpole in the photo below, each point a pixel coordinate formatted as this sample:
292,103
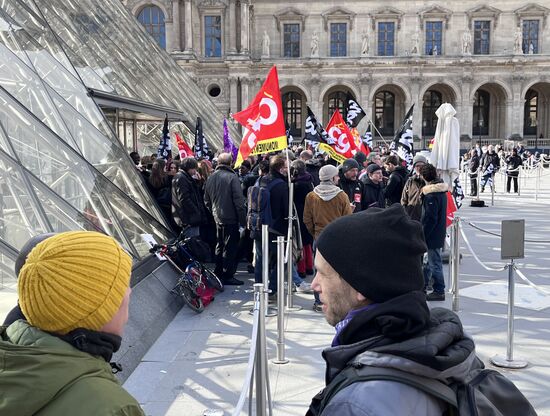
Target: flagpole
380,134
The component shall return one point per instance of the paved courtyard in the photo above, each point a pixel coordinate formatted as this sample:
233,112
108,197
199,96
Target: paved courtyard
199,362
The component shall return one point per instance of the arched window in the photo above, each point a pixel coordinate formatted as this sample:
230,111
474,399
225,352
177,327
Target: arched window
337,100
384,113
432,101
480,121
530,113
153,19
292,110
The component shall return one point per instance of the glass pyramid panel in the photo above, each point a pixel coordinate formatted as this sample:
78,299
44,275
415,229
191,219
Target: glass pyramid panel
7,273
126,49
97,148
68,175
19,219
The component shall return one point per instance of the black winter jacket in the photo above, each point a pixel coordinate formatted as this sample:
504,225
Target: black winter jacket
373,194
434,213
512,163
278,198
490,158
395,185
303,185
354,191
187,203
224,198
473,166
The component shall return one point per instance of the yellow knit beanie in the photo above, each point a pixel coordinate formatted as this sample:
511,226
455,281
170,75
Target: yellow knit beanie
75,279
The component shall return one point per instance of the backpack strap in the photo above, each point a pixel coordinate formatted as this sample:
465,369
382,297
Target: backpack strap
358,373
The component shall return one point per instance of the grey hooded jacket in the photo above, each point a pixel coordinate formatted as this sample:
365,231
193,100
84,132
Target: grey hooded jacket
400,334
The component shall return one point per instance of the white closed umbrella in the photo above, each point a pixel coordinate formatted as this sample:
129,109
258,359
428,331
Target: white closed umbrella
446,149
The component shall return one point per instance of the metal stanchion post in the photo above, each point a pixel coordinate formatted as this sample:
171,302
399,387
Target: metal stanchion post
260,367
537,183
493,189
280,302
289,297
455,267
265,268
478,179
508,361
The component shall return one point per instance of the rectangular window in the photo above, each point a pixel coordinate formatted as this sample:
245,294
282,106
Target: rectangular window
338,39
386,34
212,36
434,36
291,40
530,36
482,37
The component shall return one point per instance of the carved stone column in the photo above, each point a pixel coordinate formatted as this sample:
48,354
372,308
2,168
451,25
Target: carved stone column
176,26
244,93
232,27
233,95
245,26
188,27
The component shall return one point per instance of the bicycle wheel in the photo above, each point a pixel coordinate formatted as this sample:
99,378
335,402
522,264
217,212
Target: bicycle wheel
189,295
212,280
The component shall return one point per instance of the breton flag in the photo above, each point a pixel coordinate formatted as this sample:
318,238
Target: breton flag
183,148
367,140
402,143
354,112
340,143
164,150
315,133
263,122
458,193
201,147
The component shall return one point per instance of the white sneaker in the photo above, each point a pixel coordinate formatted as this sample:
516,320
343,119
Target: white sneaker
305,287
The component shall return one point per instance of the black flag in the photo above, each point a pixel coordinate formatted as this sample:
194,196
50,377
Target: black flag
354,112
200,147
403,141
314,130
164,150
367,138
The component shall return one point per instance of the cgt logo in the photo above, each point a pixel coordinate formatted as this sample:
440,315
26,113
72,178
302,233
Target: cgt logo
256,125
339,139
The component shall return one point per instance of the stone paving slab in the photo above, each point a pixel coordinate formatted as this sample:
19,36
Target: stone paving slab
208,371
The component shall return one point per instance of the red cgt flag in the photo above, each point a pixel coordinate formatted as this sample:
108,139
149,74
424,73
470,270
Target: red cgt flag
341,144
263,122
451,209
183,148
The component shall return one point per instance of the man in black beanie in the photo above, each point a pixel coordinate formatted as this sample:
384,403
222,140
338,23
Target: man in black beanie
370,280
351,185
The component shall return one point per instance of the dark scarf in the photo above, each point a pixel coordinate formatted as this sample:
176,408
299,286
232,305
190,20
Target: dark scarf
95,343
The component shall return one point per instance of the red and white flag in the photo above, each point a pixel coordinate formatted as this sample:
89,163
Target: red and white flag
263,121
451,209
183,148
341,143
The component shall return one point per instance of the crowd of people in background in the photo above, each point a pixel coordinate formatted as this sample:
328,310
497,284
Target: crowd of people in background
210,199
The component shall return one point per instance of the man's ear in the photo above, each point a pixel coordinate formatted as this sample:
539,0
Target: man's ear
360,297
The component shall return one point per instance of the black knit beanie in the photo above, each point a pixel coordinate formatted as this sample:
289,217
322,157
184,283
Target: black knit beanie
378,252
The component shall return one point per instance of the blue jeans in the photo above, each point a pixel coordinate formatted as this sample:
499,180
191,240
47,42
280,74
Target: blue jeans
434,269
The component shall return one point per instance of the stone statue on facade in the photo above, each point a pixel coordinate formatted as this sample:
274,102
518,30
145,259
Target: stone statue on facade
315,45
467,42
365,43
435,52
518,41
415,39
265,45
531,49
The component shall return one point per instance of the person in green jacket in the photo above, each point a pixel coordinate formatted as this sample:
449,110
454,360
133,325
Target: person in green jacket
74,294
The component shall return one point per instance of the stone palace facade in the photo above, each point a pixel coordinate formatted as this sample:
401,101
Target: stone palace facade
491,61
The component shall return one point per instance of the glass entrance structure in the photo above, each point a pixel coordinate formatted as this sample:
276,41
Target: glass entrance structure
62,166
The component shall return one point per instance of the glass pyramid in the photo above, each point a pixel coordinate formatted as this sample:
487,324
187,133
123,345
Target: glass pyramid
61,165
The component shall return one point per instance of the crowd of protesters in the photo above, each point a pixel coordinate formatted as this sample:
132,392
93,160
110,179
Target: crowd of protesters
209,199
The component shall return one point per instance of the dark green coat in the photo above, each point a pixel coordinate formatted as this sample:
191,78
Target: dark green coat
44,376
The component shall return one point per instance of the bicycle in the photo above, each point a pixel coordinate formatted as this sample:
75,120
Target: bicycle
194,277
